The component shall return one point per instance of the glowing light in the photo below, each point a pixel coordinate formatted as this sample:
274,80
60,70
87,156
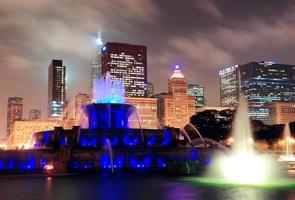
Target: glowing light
49,167
177,73
245,169
99,41
104,48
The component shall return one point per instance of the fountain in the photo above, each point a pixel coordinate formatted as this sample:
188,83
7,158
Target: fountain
242,164
289,156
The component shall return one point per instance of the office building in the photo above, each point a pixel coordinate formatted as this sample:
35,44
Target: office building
265,82
127,62
197,91
150,89
56,88
35,114
176,107
14,112
281,112
229,86
146,110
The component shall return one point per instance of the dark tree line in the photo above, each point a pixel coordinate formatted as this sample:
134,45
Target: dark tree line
217,125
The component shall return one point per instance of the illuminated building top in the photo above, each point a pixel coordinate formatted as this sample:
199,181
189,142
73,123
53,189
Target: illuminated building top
177,73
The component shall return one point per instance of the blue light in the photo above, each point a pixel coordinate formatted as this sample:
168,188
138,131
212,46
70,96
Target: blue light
74,165
167,138
104,48
146,162
47,137
151,141
1,164
10,164
194,155
105,162
119,162
130,140
161,162
30,164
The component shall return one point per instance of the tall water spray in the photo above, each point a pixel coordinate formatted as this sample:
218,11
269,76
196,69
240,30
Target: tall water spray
243,165
288,140
107,91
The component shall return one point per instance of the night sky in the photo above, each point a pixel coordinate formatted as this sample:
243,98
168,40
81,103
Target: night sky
202,36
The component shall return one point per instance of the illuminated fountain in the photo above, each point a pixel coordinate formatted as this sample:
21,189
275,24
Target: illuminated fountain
289,141
243,165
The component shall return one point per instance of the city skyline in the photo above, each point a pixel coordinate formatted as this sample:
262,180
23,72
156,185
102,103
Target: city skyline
226,37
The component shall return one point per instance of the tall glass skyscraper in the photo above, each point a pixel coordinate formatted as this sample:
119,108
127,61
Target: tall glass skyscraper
56,88
260,82
197,91
265,82
229,86
127,62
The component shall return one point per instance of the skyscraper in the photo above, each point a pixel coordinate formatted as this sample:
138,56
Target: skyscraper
35,114
150,89
229,86
96,64
127,62
264,82
197,91
14,112
176,107
261,83
56,88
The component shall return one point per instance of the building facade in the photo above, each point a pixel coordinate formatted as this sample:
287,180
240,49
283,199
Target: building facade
146,110
265,82
81,100
127,62
150,89
261,83
21,136
35,114
56,88
176,107
14,112
281,112
229,86
197,91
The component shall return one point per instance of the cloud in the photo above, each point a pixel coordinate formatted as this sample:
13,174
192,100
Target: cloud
210,8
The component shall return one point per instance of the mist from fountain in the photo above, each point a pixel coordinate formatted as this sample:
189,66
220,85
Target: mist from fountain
243,165
289,156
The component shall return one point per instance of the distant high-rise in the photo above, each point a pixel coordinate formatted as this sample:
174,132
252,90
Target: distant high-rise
56,88
229,86
35,114
176,107
197,91
96,64
150,89
127,62
264,82
261,83
14,112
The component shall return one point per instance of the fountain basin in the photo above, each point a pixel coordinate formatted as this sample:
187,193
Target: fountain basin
109,115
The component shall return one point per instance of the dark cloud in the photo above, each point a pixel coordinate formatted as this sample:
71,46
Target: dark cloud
201,35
